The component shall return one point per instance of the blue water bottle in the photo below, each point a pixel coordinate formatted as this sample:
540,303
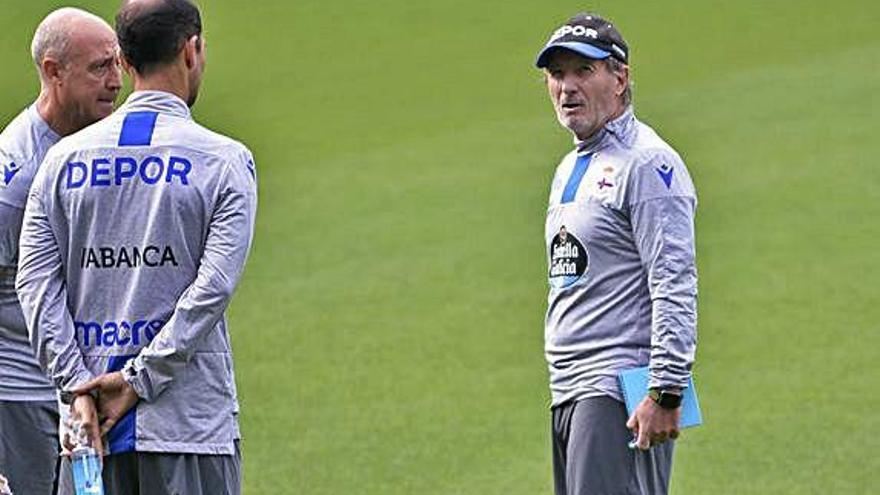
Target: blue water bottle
86,465
4,486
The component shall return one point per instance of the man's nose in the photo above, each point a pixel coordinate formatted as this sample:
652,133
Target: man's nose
568,83
114,78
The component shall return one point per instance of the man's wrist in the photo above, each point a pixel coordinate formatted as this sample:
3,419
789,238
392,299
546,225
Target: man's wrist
667,398
68,397
671,390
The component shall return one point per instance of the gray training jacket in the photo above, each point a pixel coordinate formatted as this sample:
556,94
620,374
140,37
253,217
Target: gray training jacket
134,238
23,144
623,280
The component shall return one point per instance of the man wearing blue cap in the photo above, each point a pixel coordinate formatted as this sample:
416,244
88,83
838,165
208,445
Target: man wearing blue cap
622,273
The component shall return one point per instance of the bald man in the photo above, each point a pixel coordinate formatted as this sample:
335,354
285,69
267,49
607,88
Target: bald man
134,238
76,57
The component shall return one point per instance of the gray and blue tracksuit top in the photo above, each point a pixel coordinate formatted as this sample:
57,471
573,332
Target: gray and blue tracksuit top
623,279
134,238
23,144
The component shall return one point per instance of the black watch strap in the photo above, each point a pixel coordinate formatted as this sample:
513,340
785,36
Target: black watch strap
68,397
665,398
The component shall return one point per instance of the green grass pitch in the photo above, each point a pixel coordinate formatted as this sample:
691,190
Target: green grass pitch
388,331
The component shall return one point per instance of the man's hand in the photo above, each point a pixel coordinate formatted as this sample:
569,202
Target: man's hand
653,424
115,398
83,410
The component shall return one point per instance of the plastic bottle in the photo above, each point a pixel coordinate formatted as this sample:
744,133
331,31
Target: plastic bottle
4,486
86,465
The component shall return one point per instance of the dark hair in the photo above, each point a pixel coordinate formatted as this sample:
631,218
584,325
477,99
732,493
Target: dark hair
151,33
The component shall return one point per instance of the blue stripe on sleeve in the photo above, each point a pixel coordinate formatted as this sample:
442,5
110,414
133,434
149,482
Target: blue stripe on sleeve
574,181
137,129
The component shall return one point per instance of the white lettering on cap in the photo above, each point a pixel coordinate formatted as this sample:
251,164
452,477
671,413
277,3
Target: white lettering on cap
575,31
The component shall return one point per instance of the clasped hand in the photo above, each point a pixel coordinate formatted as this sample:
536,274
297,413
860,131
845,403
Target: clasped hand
115,397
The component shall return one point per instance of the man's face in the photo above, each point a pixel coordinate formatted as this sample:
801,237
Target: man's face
584,92
90,78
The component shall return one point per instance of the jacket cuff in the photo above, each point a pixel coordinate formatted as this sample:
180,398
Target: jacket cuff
662,377
138,378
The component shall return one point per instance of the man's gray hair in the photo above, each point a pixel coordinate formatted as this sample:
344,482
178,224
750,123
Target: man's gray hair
52,36
616,66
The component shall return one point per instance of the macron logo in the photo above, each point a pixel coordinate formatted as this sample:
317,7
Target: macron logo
9,172
665,172
575,31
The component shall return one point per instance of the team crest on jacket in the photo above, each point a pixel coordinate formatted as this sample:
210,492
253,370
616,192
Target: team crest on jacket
568,259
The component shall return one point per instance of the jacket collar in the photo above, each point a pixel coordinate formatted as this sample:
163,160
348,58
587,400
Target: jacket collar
156,101
44,130
623,128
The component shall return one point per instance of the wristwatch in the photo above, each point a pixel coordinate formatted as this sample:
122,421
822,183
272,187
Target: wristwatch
667,399
129,373
67,397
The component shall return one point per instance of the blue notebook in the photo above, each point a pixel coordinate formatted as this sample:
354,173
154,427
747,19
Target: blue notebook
634,384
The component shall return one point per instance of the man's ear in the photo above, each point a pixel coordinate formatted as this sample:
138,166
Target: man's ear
622,80
51,69
191,50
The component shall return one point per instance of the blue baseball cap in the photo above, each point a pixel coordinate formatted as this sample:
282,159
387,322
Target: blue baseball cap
589,35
